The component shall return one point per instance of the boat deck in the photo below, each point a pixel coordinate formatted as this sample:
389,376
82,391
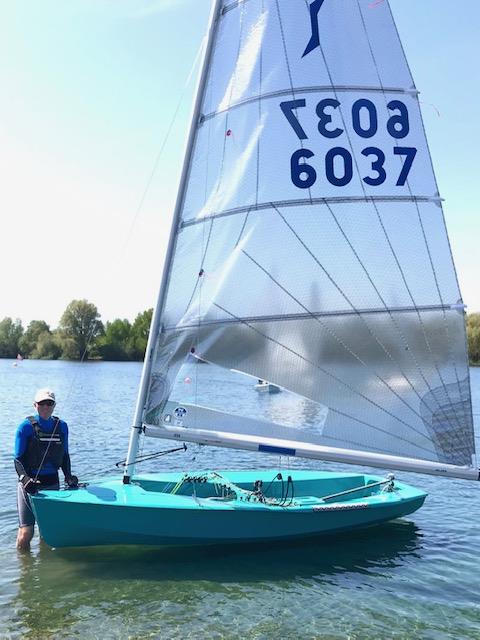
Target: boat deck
170,491
218,507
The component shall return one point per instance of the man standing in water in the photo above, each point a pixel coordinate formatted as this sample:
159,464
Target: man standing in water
41,449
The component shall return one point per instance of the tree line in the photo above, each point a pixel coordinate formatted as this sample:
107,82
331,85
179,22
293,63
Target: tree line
80,335
473,337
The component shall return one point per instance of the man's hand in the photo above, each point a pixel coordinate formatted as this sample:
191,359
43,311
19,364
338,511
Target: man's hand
29,484
71,481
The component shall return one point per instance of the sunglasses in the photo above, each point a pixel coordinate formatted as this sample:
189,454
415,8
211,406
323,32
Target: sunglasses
46,403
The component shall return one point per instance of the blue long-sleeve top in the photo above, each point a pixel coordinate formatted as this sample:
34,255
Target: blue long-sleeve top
25,431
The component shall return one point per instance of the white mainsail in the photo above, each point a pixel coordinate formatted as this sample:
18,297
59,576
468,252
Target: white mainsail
309,247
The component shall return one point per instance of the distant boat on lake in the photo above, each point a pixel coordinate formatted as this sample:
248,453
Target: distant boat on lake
19,359
266,387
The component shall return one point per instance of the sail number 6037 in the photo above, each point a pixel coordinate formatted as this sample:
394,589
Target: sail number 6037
338,160
304,175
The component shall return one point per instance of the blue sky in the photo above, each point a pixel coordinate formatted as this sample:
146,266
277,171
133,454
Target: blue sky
88,89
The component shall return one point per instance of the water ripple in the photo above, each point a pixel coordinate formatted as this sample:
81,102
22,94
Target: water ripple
410,579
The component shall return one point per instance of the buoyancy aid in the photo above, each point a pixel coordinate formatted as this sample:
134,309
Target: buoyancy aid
44,447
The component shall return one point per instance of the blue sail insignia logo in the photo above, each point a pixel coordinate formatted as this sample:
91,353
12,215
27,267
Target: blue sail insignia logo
314,41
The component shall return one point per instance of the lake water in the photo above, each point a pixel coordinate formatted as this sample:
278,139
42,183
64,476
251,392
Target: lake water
413,578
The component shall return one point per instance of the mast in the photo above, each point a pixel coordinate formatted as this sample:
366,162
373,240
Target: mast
136,428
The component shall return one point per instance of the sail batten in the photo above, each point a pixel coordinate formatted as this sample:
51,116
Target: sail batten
303,316
309,90
310,247
259,206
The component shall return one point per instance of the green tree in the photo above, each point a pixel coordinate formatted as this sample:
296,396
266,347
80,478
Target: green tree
10,333
28,342
48,347
79,327
473,337
114,343
139,335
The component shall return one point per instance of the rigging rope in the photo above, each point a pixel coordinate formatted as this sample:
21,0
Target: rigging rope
149,456
93,326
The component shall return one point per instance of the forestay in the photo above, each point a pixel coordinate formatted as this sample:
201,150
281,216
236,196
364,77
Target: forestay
309,247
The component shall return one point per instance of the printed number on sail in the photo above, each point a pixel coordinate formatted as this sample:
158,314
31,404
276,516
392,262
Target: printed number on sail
338,160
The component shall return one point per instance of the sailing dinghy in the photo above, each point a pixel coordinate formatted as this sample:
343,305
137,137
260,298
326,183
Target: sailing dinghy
308,248
263,386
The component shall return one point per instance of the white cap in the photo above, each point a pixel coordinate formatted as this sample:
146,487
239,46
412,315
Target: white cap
44,394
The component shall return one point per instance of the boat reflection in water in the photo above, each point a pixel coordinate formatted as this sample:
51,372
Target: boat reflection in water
66,590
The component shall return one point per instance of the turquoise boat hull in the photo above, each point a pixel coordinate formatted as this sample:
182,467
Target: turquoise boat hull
163,509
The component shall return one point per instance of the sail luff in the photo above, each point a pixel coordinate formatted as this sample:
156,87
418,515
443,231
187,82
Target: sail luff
311,451
157,315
